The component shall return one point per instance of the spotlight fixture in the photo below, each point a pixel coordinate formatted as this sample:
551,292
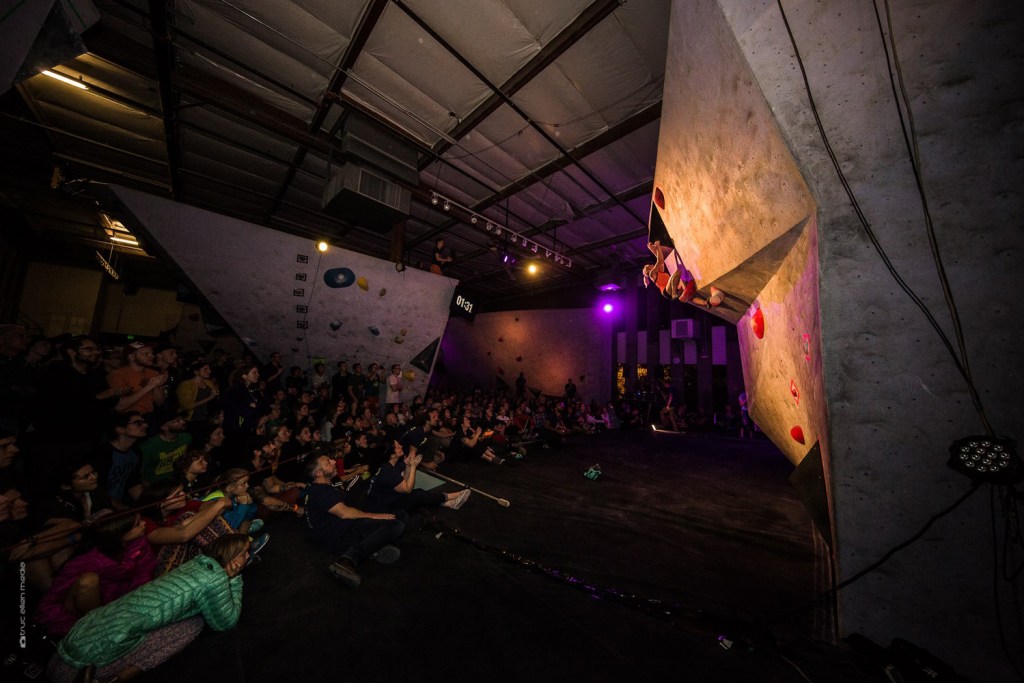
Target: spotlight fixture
472,219
514,239
322,246
434,199
532,269
497,229
490,226
447,205
987,459
535,247
547,253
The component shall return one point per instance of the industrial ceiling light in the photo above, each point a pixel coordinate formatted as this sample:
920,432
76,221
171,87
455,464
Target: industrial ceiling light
434,199
497,229
447,205
322,246
64,79
532,269
987,459
473,219
535,248
547,253
490,226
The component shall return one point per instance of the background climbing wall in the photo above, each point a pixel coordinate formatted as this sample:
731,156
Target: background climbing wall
549,346
279,293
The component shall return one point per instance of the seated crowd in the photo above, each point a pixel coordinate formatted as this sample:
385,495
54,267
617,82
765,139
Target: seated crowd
151,480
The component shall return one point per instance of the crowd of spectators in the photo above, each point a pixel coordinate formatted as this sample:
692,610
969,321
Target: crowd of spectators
151,474
147,469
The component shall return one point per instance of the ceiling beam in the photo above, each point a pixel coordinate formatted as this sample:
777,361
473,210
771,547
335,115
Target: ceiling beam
539,129
163,51
638,120
587,19
367,22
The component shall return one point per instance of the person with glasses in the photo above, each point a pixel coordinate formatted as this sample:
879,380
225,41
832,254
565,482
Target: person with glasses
117,459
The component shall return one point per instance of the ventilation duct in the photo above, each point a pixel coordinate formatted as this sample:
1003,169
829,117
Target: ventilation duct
372,185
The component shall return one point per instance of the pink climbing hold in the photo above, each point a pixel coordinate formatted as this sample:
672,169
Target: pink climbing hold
793,390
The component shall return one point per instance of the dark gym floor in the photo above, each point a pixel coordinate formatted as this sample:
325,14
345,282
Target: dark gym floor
683,539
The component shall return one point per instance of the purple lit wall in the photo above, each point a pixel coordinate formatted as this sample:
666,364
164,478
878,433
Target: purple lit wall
548,346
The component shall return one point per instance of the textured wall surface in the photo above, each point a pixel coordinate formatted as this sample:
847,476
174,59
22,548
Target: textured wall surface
548,346
256,280
893,397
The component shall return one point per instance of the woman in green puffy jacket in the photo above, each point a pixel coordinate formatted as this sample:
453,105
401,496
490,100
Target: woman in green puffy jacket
140,630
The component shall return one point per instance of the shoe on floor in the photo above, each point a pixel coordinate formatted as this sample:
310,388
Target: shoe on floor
387,555
463,497
345,571
258,543
255,526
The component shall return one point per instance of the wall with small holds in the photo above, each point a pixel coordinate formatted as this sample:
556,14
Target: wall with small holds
835,351
279,293
548,346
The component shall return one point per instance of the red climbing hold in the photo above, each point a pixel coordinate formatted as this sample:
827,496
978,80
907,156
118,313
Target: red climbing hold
797,433
757,323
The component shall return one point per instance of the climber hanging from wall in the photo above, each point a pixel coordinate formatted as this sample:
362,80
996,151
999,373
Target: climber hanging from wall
668,273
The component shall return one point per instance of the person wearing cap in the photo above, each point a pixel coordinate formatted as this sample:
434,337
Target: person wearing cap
142,384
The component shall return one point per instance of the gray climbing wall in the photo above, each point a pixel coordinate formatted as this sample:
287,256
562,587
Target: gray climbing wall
279,293
830,343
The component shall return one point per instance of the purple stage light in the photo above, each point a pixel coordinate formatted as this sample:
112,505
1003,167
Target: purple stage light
607,308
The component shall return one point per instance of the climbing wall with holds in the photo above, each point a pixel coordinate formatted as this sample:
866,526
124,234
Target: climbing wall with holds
781,365
805,204
280,293
548,347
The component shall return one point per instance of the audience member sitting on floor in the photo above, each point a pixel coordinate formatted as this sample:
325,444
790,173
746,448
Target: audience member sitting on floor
120,560
179,527
393,487
469,444
118,460
149,625
344,530
160,451
234,485
191,470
